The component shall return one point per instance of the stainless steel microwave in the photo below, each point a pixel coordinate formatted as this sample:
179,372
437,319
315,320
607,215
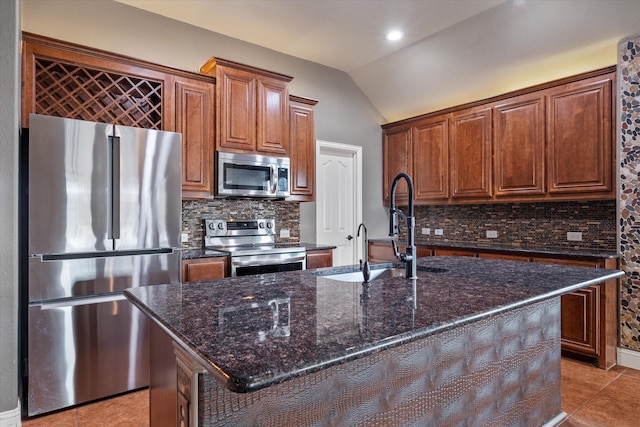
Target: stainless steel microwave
252,175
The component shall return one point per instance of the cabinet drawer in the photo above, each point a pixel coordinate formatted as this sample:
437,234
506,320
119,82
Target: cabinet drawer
205,269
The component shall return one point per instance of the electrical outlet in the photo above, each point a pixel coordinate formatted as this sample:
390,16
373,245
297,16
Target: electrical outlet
439,232
184,237
426,230
574,236
492,234
285,234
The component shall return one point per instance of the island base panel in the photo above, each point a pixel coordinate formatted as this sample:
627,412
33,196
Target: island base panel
501,370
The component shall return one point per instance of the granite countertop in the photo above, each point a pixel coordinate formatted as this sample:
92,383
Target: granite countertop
210,253
523,249
331,321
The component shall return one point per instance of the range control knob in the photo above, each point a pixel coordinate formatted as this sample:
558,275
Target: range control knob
221,226
269,224
261,224
211,225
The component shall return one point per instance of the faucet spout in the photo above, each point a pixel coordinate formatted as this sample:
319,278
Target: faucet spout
409,257
364,264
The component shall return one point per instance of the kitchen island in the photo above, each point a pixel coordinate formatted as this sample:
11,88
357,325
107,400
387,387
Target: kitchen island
469,342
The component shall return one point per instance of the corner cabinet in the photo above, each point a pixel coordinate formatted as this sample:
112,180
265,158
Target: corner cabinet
302,148
252,108
551,142
72,81
396,152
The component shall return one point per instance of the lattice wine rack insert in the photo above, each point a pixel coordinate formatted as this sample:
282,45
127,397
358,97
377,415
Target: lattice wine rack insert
70,91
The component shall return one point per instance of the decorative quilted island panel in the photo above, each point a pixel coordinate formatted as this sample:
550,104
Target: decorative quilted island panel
500,371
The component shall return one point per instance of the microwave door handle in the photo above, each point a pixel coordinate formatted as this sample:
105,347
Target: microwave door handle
274,178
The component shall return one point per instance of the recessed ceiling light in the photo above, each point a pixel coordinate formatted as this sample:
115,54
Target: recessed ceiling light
394,35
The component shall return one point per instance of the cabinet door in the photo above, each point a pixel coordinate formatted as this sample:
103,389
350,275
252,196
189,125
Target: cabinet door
236,109
453,252
194,270
396,151
319,259
194,119
579,137
272,116
302,149
580,313
470,151
431,159
518,146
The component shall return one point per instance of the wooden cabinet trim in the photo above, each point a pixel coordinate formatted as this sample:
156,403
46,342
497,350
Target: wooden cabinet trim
302,148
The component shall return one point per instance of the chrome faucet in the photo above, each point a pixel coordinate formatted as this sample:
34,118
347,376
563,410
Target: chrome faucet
364,265
409,257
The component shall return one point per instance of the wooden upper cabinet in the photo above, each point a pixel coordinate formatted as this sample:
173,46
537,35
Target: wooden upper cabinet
430,145
194,119
252,108
580,155
236,106
470,152
273,117
518,146
397,154
302,148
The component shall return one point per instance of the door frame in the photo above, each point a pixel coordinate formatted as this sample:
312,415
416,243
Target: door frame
355,151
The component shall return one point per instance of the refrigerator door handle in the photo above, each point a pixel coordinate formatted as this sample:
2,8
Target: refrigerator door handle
51,305
114,187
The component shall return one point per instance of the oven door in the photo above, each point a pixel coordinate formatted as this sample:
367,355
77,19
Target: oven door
244,265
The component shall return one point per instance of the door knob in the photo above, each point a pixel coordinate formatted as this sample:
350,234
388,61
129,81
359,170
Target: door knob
349,237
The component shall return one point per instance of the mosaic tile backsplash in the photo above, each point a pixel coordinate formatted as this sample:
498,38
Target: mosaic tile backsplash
629,140
531,224
286,214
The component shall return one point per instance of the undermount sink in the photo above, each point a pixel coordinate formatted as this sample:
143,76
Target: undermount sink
379,273
356,276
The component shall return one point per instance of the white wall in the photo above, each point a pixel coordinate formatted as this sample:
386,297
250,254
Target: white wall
9,134
343,113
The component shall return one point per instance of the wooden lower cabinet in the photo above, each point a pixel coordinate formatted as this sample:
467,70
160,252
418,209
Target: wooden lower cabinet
319,258
194,270
589,315
383,252
454,252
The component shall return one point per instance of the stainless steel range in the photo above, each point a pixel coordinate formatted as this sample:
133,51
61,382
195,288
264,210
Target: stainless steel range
252,246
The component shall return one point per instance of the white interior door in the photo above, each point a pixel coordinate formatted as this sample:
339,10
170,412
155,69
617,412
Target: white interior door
339,199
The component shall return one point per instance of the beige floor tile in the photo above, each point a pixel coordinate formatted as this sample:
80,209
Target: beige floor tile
616,405
129,410
61,419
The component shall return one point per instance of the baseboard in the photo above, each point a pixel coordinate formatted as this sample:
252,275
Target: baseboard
10,418
629,358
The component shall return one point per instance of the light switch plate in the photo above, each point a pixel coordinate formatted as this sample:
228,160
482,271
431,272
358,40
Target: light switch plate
492,234
439,232
184,237
574,236
426,230
285,234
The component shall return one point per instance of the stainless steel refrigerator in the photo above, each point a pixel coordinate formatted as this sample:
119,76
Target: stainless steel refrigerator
104,214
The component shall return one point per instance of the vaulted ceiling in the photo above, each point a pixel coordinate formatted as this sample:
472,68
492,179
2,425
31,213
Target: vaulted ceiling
454,51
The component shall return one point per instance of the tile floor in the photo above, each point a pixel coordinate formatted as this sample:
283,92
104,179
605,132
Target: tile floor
591,397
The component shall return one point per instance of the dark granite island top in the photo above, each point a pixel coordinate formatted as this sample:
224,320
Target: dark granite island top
334,322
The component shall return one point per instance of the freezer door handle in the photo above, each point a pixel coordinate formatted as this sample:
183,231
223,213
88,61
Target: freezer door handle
114,187
52,305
